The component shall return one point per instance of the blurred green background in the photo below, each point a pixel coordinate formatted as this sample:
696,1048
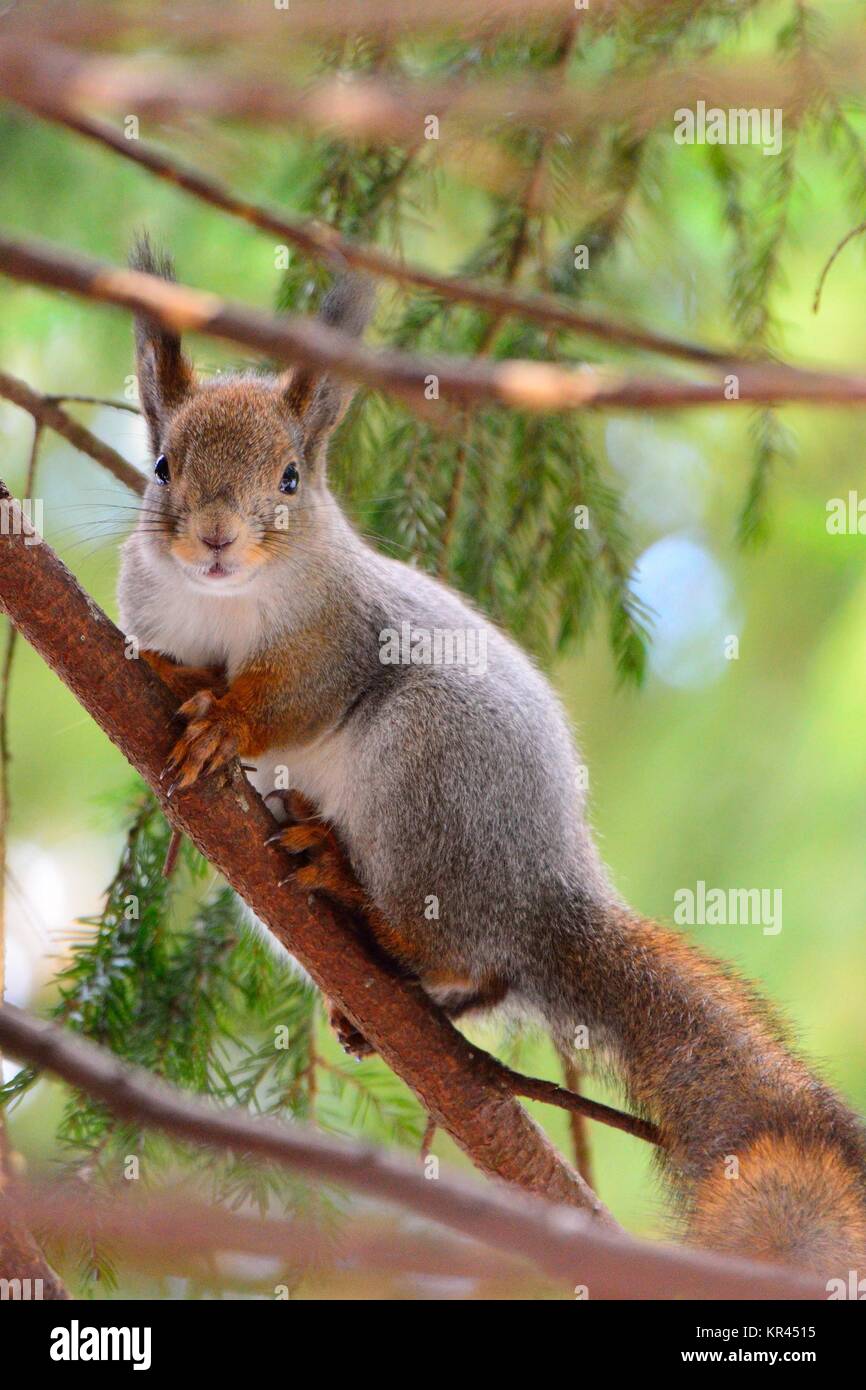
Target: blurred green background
748,772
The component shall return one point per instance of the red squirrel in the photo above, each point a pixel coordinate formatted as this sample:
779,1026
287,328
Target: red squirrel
451,788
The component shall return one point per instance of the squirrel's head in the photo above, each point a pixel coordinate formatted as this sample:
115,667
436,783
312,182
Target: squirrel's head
238,477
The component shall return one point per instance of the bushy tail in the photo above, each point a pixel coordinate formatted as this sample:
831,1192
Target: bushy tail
766,1159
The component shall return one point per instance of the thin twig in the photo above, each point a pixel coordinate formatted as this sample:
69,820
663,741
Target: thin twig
534,1088
93,400
571,1075
46,412
427,1140
849,236
171,853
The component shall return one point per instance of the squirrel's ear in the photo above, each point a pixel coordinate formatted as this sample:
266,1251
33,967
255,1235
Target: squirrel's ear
320,402
165,376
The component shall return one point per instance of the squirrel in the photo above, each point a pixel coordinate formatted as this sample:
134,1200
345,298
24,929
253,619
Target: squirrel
423,781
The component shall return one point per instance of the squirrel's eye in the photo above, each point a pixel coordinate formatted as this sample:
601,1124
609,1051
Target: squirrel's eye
290,479
160,469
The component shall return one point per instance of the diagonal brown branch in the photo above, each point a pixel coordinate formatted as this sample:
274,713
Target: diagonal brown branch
531,386
565,1244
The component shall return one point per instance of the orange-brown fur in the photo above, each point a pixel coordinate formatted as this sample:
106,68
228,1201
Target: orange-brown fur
789,1200
184,681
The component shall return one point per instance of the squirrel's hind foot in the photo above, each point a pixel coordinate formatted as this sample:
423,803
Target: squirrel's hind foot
327,868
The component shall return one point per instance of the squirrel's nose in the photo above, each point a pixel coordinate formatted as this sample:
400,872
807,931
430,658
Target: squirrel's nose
217,542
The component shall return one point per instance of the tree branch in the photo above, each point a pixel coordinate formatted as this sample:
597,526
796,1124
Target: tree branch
565,1244
307,19
326,244
369,108
524,385
171,1231
462,1088
45,411
20,1256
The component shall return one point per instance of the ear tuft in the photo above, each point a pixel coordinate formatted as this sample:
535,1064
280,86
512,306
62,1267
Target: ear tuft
165,377
144,256
319,402
349,304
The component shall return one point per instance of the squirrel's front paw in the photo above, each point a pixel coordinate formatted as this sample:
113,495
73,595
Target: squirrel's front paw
210,741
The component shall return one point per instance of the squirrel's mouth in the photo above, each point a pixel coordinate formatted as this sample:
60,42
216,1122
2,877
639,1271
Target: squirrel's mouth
219,574
220,577
222,569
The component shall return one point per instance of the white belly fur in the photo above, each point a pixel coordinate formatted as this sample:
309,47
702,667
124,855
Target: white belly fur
202,631
321,771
